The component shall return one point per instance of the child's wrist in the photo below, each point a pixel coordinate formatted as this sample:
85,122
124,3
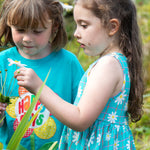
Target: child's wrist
37,89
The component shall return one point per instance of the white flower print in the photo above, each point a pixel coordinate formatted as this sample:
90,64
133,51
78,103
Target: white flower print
123,127
114,54
120,98
76,137
112,117
125,122
99,139
126,107
108,136
79,91
128,77
133,142
128,145
18,63
91,139
116,144
66,137
117,126
86,142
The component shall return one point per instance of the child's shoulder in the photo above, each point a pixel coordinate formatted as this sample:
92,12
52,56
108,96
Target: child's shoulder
109,59
4,55
109,63
112,59
7,51
67,54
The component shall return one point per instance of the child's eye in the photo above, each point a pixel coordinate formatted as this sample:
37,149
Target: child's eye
37,32
83,25
21,30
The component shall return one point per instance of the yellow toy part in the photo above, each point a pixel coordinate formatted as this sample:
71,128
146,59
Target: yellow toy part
10,109
47,130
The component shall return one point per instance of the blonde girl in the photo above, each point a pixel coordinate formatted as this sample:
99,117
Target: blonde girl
34,30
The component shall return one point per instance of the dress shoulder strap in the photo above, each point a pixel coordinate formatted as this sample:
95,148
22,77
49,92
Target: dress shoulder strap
124,64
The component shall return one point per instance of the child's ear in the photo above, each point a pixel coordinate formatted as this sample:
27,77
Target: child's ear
114,26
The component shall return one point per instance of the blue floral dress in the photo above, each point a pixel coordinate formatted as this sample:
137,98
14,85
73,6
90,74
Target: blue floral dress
111,130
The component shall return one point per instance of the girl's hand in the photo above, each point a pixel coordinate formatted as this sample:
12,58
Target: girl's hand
28,79
2,108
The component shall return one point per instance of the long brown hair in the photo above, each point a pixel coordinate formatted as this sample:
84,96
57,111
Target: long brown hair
129,42
31,14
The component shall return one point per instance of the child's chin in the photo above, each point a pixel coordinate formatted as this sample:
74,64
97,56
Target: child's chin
87,52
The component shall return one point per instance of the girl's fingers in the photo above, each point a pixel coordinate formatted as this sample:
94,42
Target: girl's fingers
20,78
3,104
2,107
16,73
19,72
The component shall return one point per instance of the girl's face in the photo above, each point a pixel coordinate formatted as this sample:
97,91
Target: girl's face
90,32
32,44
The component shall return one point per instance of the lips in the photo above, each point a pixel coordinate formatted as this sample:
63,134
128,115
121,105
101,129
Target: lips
28,46
82,46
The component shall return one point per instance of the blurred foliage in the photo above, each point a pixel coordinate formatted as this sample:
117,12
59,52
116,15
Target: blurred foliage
70,2
139,2
144,23
141,129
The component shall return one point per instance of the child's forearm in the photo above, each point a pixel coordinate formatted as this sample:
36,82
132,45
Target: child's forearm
65,112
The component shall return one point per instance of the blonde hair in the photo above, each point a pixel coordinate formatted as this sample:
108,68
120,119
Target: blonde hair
32,14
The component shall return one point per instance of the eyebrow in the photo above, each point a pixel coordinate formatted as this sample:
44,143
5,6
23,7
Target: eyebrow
38,28
83,20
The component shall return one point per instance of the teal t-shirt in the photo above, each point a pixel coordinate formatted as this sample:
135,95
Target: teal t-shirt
64,78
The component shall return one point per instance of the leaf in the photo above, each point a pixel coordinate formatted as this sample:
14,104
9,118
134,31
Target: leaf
54,146
46,146
1,146
2,119
20,147
4,99
23,126
28,124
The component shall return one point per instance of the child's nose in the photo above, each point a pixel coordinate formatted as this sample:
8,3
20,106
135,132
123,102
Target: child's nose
27,37
76,34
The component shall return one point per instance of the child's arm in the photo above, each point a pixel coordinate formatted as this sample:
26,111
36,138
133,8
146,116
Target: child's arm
105,81
2,109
